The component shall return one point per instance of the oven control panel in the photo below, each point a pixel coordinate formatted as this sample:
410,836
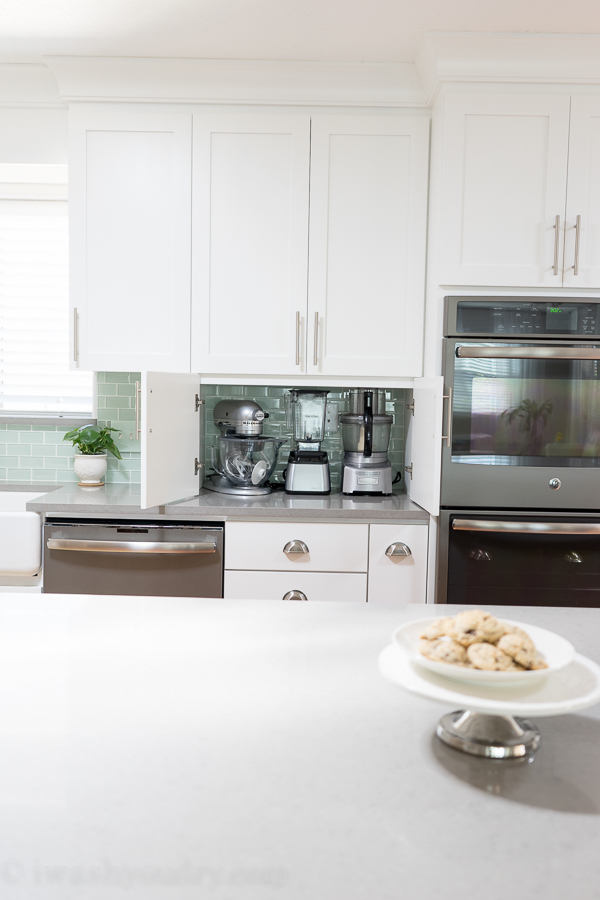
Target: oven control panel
547,317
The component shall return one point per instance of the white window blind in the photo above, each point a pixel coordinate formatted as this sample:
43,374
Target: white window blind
34,312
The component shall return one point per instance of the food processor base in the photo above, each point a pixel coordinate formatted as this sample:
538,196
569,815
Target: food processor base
224,486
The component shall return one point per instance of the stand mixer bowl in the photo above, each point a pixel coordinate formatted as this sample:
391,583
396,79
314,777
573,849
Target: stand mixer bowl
246,462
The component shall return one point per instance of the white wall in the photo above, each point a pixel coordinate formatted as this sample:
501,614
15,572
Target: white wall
33,118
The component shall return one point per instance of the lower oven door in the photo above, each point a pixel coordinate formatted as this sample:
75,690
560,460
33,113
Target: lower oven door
520,560
524,425
139,559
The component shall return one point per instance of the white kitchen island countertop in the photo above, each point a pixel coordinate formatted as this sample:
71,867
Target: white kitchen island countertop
182,748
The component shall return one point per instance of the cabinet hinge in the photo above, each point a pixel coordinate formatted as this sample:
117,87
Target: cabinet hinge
409,469
199,402
411,406
197,466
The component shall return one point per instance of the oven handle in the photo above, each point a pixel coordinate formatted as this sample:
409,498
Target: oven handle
132,546
528,352
525,527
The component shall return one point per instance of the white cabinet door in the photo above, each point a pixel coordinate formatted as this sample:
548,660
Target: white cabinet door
398,578
130,225
504,185
170,438
583,196
250,244
424,443
368,218
316,547
312,585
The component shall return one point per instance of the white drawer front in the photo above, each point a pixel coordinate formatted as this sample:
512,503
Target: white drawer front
398,578
331,548
313,585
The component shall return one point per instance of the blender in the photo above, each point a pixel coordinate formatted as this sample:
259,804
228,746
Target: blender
366,433
308,466
243,457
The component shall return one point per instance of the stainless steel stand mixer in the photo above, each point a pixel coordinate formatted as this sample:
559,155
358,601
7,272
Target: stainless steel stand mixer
366,435
243,458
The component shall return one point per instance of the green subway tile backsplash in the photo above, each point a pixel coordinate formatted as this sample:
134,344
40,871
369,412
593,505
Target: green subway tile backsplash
37,453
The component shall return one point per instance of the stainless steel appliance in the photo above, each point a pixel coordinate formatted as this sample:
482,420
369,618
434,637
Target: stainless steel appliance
243,458
523,378
308,466
96,556
518,558
366,432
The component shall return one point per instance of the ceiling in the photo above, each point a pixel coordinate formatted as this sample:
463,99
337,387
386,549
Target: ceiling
320,30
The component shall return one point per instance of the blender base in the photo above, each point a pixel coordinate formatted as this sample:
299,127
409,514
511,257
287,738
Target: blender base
223,486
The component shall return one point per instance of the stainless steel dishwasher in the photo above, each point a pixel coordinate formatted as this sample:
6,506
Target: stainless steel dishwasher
163,559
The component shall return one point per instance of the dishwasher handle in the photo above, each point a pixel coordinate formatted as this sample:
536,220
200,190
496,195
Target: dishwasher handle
132,546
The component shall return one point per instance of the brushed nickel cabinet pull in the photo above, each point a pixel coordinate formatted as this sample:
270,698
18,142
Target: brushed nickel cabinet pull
75,335
296,547
294,595
577,238
298,338
398,549
316,346
556,242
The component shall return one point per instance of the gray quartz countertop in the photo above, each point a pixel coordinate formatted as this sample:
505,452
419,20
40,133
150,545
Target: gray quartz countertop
188,748
124,500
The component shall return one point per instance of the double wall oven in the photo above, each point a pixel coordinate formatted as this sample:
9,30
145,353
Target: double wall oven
520,495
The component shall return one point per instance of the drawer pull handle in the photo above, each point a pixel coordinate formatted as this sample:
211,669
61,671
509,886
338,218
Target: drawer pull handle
295,547
294,595
398,549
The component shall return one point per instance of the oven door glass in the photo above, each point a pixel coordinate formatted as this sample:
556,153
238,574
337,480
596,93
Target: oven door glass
532,408
524,567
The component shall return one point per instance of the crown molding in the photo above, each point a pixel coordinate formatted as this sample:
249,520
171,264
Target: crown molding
120,79
507,58
28,85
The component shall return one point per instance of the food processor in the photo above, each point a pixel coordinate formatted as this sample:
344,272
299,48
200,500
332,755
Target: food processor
366,433
308,466
243,458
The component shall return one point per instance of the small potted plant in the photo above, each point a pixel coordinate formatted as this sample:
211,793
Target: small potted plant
94,445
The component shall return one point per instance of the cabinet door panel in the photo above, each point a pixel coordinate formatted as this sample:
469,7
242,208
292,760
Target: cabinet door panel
583,196
314,585
130,223
504,183
368,207
250,246
398,578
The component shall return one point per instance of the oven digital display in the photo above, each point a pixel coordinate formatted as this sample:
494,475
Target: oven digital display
561,318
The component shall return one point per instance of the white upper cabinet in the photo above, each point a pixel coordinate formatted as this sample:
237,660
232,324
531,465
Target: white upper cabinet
368,219
250,243
582,240
504,189
130,225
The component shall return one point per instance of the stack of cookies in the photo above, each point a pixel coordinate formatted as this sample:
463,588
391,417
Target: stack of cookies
476,640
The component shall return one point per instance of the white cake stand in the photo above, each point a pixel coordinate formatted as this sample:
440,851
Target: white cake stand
489,719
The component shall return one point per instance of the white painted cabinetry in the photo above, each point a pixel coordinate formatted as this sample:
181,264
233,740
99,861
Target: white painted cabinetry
130,236
582,235
396,575
249,585
297,546
504,185
250,244
368,222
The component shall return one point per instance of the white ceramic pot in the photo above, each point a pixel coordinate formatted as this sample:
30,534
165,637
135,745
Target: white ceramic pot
90,468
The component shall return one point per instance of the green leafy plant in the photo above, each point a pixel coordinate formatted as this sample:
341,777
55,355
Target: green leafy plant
533,416
91,439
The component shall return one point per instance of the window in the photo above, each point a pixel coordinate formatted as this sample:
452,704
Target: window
34,303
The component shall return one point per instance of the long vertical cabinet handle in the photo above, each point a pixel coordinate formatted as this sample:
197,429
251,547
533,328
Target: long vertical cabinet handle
298,338
138,391
448,436
316,346
556,243
75,335
577,238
